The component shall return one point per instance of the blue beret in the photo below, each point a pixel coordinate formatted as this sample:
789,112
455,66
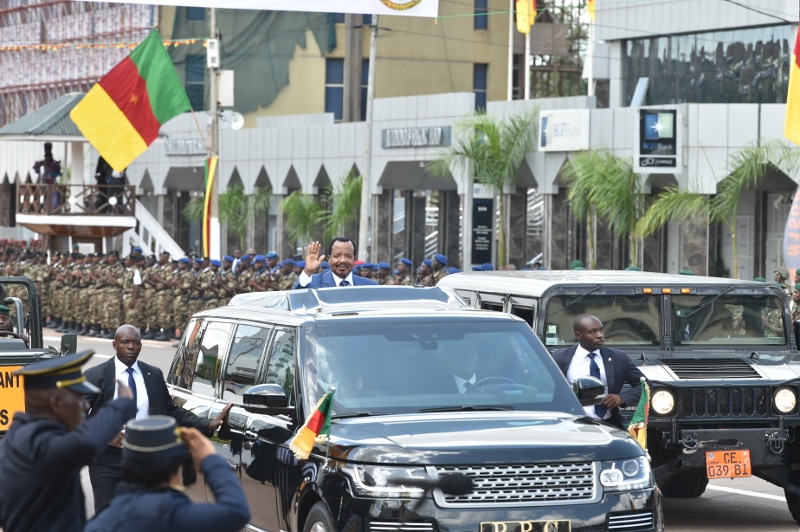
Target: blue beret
367,265
287,262
397,272
300,264
357,267
260,258
406,261
375,267
486,267
271,255
215,262
228,258
185,260
476,269
452,270
245,257
427,262
198,260
384,266
441,259
325,264
137,249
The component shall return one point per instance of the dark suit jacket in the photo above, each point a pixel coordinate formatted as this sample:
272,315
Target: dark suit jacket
161,403
619,370
325,280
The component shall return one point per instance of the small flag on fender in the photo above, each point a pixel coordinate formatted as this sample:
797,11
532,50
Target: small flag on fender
316,429
638,425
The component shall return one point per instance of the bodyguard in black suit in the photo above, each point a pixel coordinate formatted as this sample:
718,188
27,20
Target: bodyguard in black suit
612,366
151,396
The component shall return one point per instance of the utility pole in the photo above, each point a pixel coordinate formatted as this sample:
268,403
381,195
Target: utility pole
215,244
366,196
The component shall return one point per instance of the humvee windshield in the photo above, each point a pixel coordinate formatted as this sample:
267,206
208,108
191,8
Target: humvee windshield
628,319
730,319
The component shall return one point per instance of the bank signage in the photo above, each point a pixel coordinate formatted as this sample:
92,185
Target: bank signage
564,130
184,147
657,148
415,137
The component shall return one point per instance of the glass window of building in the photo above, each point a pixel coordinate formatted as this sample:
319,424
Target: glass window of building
196,80
749,65
364,84
338,18
480,78
196,14
334,87
481,18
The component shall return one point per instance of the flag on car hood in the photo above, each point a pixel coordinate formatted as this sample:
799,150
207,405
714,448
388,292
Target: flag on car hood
317,428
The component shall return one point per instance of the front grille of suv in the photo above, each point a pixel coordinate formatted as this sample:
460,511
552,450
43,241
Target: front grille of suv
401,526
718,368
524,485
727,402
631,521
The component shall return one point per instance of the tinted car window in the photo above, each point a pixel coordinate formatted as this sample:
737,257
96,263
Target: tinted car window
212,350
182,371
247,350
281,361
407,366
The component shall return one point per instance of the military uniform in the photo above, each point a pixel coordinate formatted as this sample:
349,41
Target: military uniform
129,284
773,317
795,312
180,305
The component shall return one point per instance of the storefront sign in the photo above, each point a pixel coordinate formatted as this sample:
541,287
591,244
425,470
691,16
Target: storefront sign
482,234
657,149
566,130
185,147
415,137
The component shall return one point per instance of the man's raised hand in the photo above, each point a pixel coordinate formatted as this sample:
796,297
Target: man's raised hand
313,258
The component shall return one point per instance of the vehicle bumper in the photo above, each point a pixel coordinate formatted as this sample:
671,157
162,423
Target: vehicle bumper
614,511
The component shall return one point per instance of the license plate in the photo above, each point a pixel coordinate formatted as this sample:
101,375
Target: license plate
12,395
728,464
527,526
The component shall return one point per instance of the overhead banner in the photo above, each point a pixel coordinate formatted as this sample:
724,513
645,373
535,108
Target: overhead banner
409,8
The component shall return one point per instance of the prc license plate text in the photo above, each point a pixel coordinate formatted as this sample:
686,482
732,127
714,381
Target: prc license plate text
527,526
728,464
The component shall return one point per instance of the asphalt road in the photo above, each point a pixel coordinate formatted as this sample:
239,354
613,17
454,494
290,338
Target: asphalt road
727,505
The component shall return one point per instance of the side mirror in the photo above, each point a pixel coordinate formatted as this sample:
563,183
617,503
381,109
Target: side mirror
269,399
587,389
69,344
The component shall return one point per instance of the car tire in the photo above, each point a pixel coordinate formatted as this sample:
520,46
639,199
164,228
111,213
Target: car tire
684,485
793,502
319,520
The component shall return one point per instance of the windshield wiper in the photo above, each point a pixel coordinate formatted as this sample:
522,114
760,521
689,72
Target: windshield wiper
707,303
579,298
358,414
465,408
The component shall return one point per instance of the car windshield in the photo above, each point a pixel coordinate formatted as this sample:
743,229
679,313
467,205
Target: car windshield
627,319
407,366
730,319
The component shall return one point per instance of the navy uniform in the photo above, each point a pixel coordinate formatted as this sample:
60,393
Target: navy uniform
164,507
41,457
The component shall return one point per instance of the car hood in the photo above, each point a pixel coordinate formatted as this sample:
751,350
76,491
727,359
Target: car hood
477,438
766,368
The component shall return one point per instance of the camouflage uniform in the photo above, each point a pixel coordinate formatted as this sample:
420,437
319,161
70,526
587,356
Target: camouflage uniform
775,318
795,312
163,296
229,282
211,295
403,280
261,277
286,282
196,292
180,305
438,276
112,300
244,280
128,290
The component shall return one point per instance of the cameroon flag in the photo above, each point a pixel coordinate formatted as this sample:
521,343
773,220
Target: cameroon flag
121,115
590,7
211,170
791,128
638,425
526,15
317,428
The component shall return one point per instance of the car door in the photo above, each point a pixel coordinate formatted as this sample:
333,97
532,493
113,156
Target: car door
270,474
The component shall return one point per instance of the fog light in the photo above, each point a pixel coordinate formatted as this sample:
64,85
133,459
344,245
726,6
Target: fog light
662,401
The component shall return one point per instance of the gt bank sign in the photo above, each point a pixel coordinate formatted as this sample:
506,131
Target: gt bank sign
564,130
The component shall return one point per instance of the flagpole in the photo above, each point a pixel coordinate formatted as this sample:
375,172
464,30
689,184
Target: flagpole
527,65
215,243
510,92
366,175
590,59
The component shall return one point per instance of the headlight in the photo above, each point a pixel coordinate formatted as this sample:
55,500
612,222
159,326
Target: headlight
663,402
785,400
373,481
625,475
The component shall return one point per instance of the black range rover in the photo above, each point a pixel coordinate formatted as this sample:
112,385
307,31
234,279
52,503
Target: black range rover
424,388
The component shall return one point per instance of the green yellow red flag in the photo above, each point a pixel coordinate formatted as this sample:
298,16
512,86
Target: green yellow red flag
211,171
638,425
526,15
122,113
791,128
590,7
317,428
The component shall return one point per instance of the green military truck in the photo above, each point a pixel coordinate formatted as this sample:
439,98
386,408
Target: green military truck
718,354
22,343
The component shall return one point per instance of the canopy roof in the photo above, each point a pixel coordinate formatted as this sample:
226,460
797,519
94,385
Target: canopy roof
49,122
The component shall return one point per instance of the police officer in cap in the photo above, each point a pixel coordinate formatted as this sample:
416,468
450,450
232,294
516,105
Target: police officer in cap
151,495
46,446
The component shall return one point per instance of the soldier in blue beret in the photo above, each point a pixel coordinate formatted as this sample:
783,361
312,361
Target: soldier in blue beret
403,277
152,498
299,266
424,273
272,263
46,446
286,276
438,265
366,270
384,273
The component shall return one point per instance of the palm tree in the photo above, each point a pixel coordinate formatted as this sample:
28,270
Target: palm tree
746,168
491,150
235,208
302,213
346,200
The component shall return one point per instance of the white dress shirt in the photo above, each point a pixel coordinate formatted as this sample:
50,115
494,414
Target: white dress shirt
579,367
121,374
462,383
304,279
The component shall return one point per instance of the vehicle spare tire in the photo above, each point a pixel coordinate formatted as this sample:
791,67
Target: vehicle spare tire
684,485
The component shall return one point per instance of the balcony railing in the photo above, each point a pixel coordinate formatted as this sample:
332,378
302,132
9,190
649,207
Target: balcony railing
76,200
